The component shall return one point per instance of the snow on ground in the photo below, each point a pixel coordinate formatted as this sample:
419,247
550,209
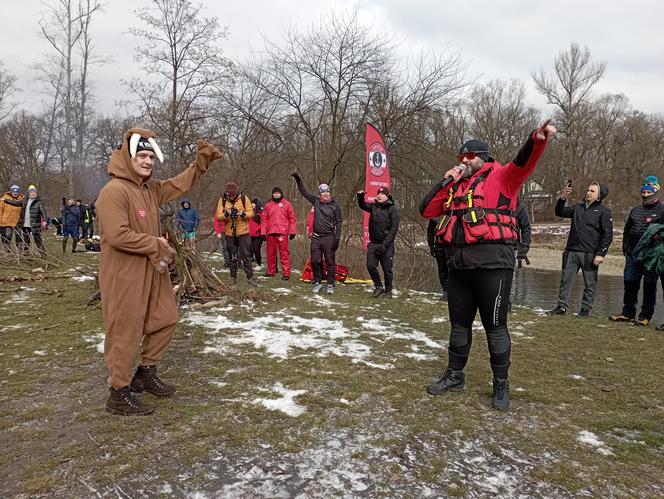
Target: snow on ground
283,334
286,403
589,438
97,339
283,291
81,278
20,296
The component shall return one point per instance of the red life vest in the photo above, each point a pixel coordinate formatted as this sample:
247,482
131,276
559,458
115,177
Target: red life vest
471,206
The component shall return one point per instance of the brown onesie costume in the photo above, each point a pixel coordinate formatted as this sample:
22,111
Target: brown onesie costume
137,301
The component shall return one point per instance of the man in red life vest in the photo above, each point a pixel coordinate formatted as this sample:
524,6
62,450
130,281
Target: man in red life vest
475,202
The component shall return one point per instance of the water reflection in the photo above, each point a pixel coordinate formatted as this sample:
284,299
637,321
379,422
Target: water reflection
539,289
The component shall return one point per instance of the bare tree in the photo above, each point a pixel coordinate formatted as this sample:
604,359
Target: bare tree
569,88
65,27
7,89
179,51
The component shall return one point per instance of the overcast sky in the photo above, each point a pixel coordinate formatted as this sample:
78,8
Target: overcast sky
501,39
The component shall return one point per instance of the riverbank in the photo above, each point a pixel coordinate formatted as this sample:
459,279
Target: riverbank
301,395
545,258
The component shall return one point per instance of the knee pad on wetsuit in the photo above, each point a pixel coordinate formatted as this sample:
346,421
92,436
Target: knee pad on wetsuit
460,338
499,340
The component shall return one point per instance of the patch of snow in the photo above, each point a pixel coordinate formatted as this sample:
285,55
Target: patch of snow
576,376
81,278
284,291
286,403
589,438
39,352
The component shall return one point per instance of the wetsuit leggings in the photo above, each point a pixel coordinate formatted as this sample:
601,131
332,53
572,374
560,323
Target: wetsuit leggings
321,246
487,290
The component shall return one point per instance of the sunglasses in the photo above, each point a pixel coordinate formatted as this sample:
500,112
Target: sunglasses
469,155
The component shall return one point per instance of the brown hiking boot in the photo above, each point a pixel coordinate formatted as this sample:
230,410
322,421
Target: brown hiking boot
124,403
146,380
620,318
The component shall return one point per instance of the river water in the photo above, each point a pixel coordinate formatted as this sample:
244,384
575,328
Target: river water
539,289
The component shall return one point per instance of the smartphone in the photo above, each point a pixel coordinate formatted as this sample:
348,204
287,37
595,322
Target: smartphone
569,183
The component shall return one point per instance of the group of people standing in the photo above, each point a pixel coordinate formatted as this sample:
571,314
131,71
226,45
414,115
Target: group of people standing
24,217
242,225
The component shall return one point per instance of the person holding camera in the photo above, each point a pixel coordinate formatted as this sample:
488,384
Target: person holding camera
234,208
326,232
384,220
590,236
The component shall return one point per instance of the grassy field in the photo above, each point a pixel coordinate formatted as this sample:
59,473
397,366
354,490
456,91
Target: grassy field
321,396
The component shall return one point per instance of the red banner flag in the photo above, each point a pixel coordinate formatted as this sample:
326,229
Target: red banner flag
377,171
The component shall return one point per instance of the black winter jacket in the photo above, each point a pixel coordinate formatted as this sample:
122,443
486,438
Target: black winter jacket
523,225
592,227
327,216
383,220
37,213
637,222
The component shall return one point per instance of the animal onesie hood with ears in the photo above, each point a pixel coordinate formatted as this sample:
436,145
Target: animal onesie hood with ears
137,301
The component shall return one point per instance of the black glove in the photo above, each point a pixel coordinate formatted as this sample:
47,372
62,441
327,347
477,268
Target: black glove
243,214
296,176
291,237
227,214
335,245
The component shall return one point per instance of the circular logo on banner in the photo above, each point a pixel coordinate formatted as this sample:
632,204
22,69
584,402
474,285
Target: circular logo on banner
377,159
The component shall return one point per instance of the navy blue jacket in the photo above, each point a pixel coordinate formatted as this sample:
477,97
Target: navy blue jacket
71,216
187,218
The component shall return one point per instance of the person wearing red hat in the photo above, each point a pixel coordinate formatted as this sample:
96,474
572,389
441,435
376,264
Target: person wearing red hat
384,217
235,209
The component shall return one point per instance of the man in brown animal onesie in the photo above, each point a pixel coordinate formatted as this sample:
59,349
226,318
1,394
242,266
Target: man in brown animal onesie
137,297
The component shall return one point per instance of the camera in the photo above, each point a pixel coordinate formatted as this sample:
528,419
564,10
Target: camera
233,213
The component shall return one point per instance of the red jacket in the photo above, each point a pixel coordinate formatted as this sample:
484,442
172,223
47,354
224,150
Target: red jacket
495,188
219,226
255,227
278,218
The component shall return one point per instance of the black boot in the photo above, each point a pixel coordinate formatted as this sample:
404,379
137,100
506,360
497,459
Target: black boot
377,292
451,380
501,394
557,311
64,245
584,313
146,380
74,243
123,402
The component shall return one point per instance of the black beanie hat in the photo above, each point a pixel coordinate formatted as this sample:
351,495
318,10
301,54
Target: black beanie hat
478,147
277,189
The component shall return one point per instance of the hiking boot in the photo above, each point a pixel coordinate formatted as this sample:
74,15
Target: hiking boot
501,394
317,287
146,380
451,380
584,313
642,322
123,402
377,292
620,318
387,294
557,311
330,289
285,278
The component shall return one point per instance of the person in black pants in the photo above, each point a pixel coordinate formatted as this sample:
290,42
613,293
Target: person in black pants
384,219
590,236
326,232
475,202
438,252
650,211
